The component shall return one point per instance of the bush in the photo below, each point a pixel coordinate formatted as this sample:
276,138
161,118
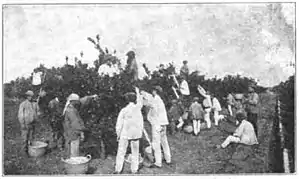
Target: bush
83,80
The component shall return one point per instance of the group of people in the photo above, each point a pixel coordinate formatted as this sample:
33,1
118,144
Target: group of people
130,121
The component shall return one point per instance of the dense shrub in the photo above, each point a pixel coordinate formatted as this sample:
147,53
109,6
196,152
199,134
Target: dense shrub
84,80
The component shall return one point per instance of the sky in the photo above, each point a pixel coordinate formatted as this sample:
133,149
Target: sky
157,33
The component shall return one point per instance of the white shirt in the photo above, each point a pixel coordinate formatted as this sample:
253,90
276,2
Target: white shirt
184,88
129,123
246,133
216,104
157,114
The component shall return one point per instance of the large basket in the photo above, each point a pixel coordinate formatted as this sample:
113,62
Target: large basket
77,165
37,149
239,96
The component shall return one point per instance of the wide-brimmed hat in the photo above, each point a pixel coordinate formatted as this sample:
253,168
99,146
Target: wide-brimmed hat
130,96
241,115
73,97
29,93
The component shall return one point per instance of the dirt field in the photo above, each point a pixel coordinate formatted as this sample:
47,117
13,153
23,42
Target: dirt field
190,154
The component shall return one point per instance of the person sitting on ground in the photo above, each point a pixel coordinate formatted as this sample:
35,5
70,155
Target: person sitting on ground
197,114
244,134
174,115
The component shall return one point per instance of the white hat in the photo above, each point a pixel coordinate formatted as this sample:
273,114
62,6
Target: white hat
29,93
73,97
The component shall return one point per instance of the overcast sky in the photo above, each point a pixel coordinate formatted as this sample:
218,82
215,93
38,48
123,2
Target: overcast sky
158,34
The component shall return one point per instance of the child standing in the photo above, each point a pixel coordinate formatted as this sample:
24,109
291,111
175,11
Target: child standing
197,114
174,115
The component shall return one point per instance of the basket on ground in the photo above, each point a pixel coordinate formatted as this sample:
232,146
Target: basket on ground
37,148
77,165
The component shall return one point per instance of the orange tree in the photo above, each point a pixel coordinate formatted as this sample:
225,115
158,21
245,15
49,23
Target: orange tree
84,80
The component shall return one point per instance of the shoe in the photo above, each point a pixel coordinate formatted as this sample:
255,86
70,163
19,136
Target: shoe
218,147
135,173
116,173
155,166
170,164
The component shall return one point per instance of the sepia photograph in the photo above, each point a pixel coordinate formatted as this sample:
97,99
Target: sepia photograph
148,89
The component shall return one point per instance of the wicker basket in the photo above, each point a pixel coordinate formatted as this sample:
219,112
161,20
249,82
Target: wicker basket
239,96
37,149
78,168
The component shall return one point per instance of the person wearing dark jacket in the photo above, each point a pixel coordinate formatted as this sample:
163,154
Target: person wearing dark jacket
252,108
73,126
56,122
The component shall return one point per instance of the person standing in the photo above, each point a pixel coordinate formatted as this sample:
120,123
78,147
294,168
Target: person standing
27,116
207,104
197,114
157,116
252,108
230,102
174,115
73,126
56,122
129,128
132,67
238,105
184,71
216,109
184,89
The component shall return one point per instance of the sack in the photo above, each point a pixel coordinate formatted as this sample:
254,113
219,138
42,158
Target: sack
36,78
188,129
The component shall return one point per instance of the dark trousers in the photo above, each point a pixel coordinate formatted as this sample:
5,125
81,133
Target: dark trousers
57,132
252,118
27,135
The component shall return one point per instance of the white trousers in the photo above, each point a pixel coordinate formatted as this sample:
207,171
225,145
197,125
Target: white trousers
74,148
216,117
196,126
121,152
230,139
160,139
207,117
229,107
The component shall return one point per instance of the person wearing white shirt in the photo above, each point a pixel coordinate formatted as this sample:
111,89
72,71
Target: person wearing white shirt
129,128
216,108
184,89
207,104
243,134
157,116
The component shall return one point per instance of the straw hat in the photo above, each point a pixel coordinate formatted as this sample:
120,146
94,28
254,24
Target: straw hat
29,93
